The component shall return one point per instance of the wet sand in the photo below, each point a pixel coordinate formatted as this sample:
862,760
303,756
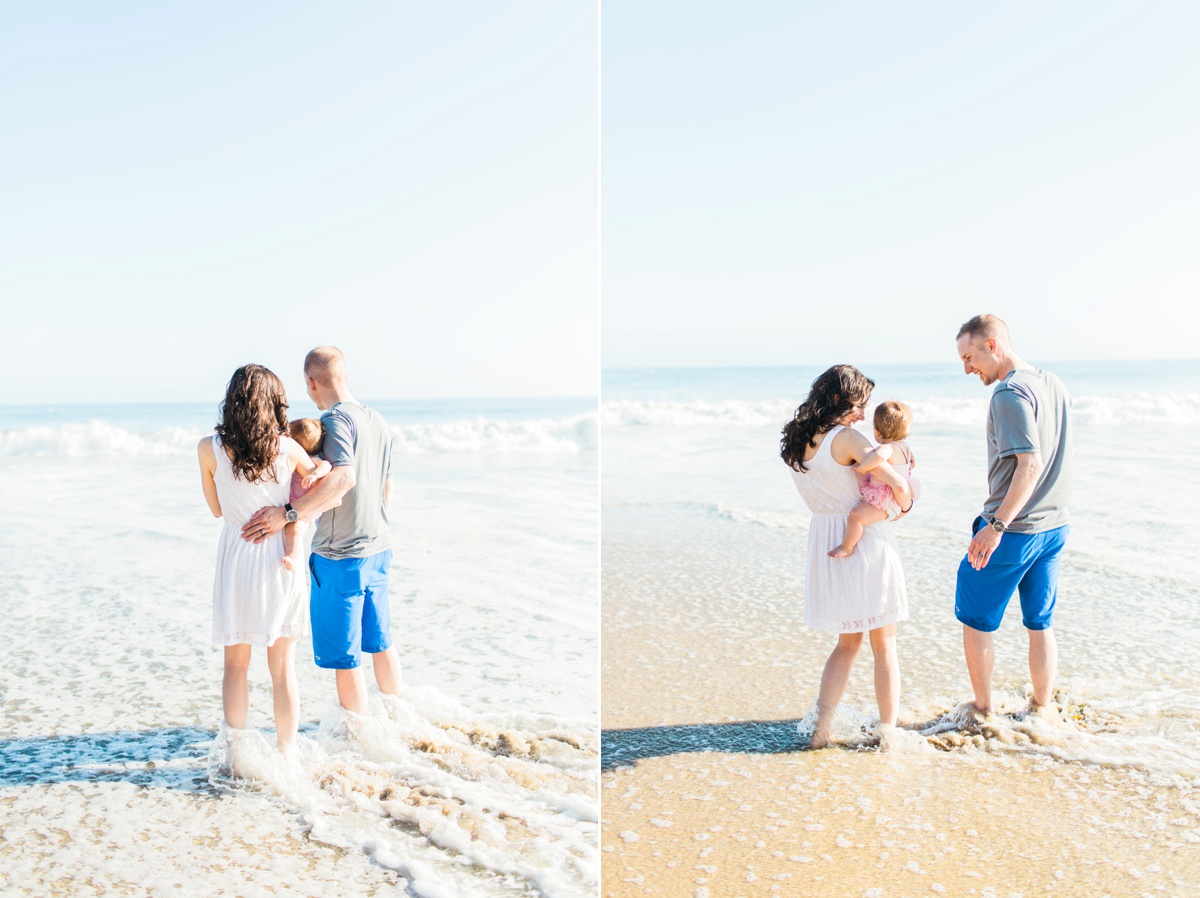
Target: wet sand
707,791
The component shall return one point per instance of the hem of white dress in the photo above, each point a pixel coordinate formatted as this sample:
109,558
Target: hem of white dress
259,640
857,626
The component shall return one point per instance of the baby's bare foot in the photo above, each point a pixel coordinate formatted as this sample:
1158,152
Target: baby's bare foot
287,562
841,552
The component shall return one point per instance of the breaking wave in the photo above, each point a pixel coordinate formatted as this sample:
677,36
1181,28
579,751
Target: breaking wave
479,435
1132,410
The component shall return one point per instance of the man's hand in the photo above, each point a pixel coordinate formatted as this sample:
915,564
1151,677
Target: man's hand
982,547
266,521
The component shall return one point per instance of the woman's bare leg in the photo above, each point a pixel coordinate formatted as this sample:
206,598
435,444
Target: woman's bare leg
887,674
861,516
833,684
281,662
235,688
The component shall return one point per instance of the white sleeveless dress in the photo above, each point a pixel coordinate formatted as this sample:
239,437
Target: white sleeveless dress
855,594
255,598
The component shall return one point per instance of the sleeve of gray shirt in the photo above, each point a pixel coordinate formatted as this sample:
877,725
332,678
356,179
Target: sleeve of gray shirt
1014,423
340,437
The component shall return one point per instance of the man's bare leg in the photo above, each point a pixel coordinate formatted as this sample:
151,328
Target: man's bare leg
1043,665
387,671
833,684
352,690
981,657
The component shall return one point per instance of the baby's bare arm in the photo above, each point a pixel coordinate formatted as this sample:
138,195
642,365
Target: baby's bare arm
873,459
320,469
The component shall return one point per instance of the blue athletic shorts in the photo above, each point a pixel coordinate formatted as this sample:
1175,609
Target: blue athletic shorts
349,608
1023,562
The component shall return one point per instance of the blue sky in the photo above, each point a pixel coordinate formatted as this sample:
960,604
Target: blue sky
784,183
185,188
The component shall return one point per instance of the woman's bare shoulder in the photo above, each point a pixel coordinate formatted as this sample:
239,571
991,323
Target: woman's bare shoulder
849,446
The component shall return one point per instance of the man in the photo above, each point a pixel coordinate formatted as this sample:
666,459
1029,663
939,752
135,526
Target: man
1020,534
351,548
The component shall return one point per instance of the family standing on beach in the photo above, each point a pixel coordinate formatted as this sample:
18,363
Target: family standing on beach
266,484
855,581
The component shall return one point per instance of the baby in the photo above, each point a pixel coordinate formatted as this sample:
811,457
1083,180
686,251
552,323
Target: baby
308,433
892,422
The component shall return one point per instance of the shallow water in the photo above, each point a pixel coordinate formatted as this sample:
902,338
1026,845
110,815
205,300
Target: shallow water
481,781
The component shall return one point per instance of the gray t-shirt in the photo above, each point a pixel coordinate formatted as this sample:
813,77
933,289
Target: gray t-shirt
1030,412
358,528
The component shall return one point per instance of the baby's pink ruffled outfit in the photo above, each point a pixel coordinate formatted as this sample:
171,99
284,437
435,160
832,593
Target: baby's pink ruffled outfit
877,493
297,489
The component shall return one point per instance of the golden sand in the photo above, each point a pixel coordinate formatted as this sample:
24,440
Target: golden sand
701,653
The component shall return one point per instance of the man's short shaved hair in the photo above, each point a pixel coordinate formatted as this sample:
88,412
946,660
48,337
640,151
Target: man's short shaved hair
325,365
983,326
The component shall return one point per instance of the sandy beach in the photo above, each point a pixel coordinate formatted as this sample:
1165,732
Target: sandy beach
706,790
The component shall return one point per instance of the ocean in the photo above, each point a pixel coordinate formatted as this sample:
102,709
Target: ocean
710,674
481,781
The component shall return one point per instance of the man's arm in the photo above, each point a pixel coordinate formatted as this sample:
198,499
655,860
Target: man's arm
1025,480
325,495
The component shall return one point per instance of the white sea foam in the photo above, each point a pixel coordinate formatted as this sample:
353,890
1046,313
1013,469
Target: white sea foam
547,435
1131,410
479,435
95,438
428,796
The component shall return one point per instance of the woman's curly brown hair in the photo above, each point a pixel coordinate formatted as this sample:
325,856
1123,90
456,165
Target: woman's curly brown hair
831,398
253,417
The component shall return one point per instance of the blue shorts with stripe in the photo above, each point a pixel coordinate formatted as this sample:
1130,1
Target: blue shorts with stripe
1024,563
349,608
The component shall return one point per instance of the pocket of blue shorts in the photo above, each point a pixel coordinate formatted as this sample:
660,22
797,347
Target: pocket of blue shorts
312,568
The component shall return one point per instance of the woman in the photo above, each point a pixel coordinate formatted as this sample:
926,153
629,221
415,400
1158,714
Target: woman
862,593
246,465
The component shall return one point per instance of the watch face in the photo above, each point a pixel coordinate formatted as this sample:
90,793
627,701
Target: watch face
998,526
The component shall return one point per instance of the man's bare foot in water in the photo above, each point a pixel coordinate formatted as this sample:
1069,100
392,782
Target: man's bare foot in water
820,739
841,552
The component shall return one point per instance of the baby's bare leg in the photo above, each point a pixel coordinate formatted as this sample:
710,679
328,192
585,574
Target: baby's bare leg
861,516
291,538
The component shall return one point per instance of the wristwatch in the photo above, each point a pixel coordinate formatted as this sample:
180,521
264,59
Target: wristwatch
998,525
290,513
